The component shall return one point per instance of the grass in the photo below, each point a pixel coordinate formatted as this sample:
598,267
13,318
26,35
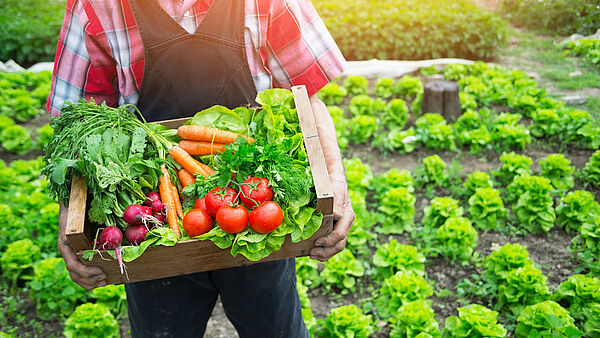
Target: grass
592,105
563,81
535,53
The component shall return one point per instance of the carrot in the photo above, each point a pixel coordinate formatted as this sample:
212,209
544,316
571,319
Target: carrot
208,170
178,207
201,147
186,161
186,178
208,134
166,195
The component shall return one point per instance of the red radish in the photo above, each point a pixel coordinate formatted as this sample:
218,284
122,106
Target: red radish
110,238
136,234
134,214
159,217
157,206
151,197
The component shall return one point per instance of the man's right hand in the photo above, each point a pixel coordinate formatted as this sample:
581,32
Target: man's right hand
88,277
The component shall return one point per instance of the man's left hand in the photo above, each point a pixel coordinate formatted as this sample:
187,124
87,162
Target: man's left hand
343,215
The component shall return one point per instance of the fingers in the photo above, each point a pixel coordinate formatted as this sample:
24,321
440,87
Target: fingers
88,277
329,245
324,253
340,196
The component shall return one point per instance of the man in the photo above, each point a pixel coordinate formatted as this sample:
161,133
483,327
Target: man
173,58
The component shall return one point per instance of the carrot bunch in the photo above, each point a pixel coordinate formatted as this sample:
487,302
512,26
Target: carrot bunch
202,140
170,197
196,140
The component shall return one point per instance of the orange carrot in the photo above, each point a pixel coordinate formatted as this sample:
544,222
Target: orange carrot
208,134
201,147
208,170
178,207
186,161
166,195
186,178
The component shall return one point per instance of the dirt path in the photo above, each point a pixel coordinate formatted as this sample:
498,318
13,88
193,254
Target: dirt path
538,56
490,5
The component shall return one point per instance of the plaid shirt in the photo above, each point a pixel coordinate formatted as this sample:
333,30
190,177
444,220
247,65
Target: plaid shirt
100,53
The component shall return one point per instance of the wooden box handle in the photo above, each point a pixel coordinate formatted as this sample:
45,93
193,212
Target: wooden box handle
316,157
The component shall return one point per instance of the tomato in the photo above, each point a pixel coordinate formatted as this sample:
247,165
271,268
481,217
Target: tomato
266,217
200,203
197,222
255,191
217,198
232,219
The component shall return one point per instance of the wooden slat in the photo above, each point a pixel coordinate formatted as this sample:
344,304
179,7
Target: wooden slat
305,113
174,123
314,150
193,256
75,229
323,186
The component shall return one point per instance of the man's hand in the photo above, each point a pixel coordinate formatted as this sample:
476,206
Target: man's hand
87,277
343,214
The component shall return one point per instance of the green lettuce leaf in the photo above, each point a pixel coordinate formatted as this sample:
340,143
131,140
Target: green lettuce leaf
129,253
221,239
221,118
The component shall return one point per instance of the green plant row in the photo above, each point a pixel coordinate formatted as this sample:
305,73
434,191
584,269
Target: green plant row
537,201
22,98
412,29
518,289
30,29
561,17
392,120
28,256
23,94
589,49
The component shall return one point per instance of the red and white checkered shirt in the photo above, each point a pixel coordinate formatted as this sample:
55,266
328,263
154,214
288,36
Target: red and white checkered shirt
100,53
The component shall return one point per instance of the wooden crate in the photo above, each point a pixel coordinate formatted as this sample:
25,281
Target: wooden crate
194,255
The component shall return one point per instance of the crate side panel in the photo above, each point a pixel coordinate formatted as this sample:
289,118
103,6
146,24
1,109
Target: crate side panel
194,256
76,217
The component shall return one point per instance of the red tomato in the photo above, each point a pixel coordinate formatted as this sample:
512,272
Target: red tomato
200,203
217,198
197,222
232,219
266,217
255,191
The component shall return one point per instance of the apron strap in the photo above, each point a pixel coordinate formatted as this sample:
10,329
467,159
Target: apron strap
223,21
150,14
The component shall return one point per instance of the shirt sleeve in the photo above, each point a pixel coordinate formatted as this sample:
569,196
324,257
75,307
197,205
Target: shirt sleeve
300,49
82,68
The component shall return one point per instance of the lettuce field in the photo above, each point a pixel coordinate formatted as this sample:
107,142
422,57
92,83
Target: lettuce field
483,226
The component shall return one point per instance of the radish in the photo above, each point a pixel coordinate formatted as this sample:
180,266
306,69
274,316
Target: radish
111,238
135,214
157,206
136,234
159,217
151,197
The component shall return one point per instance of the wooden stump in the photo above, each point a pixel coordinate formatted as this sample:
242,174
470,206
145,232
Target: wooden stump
441,97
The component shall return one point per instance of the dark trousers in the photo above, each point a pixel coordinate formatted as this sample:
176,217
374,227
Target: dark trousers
260,300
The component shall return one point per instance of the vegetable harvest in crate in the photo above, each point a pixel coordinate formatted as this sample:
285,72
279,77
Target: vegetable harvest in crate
239,178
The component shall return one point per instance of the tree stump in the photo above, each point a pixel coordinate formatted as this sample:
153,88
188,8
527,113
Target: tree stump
441,97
